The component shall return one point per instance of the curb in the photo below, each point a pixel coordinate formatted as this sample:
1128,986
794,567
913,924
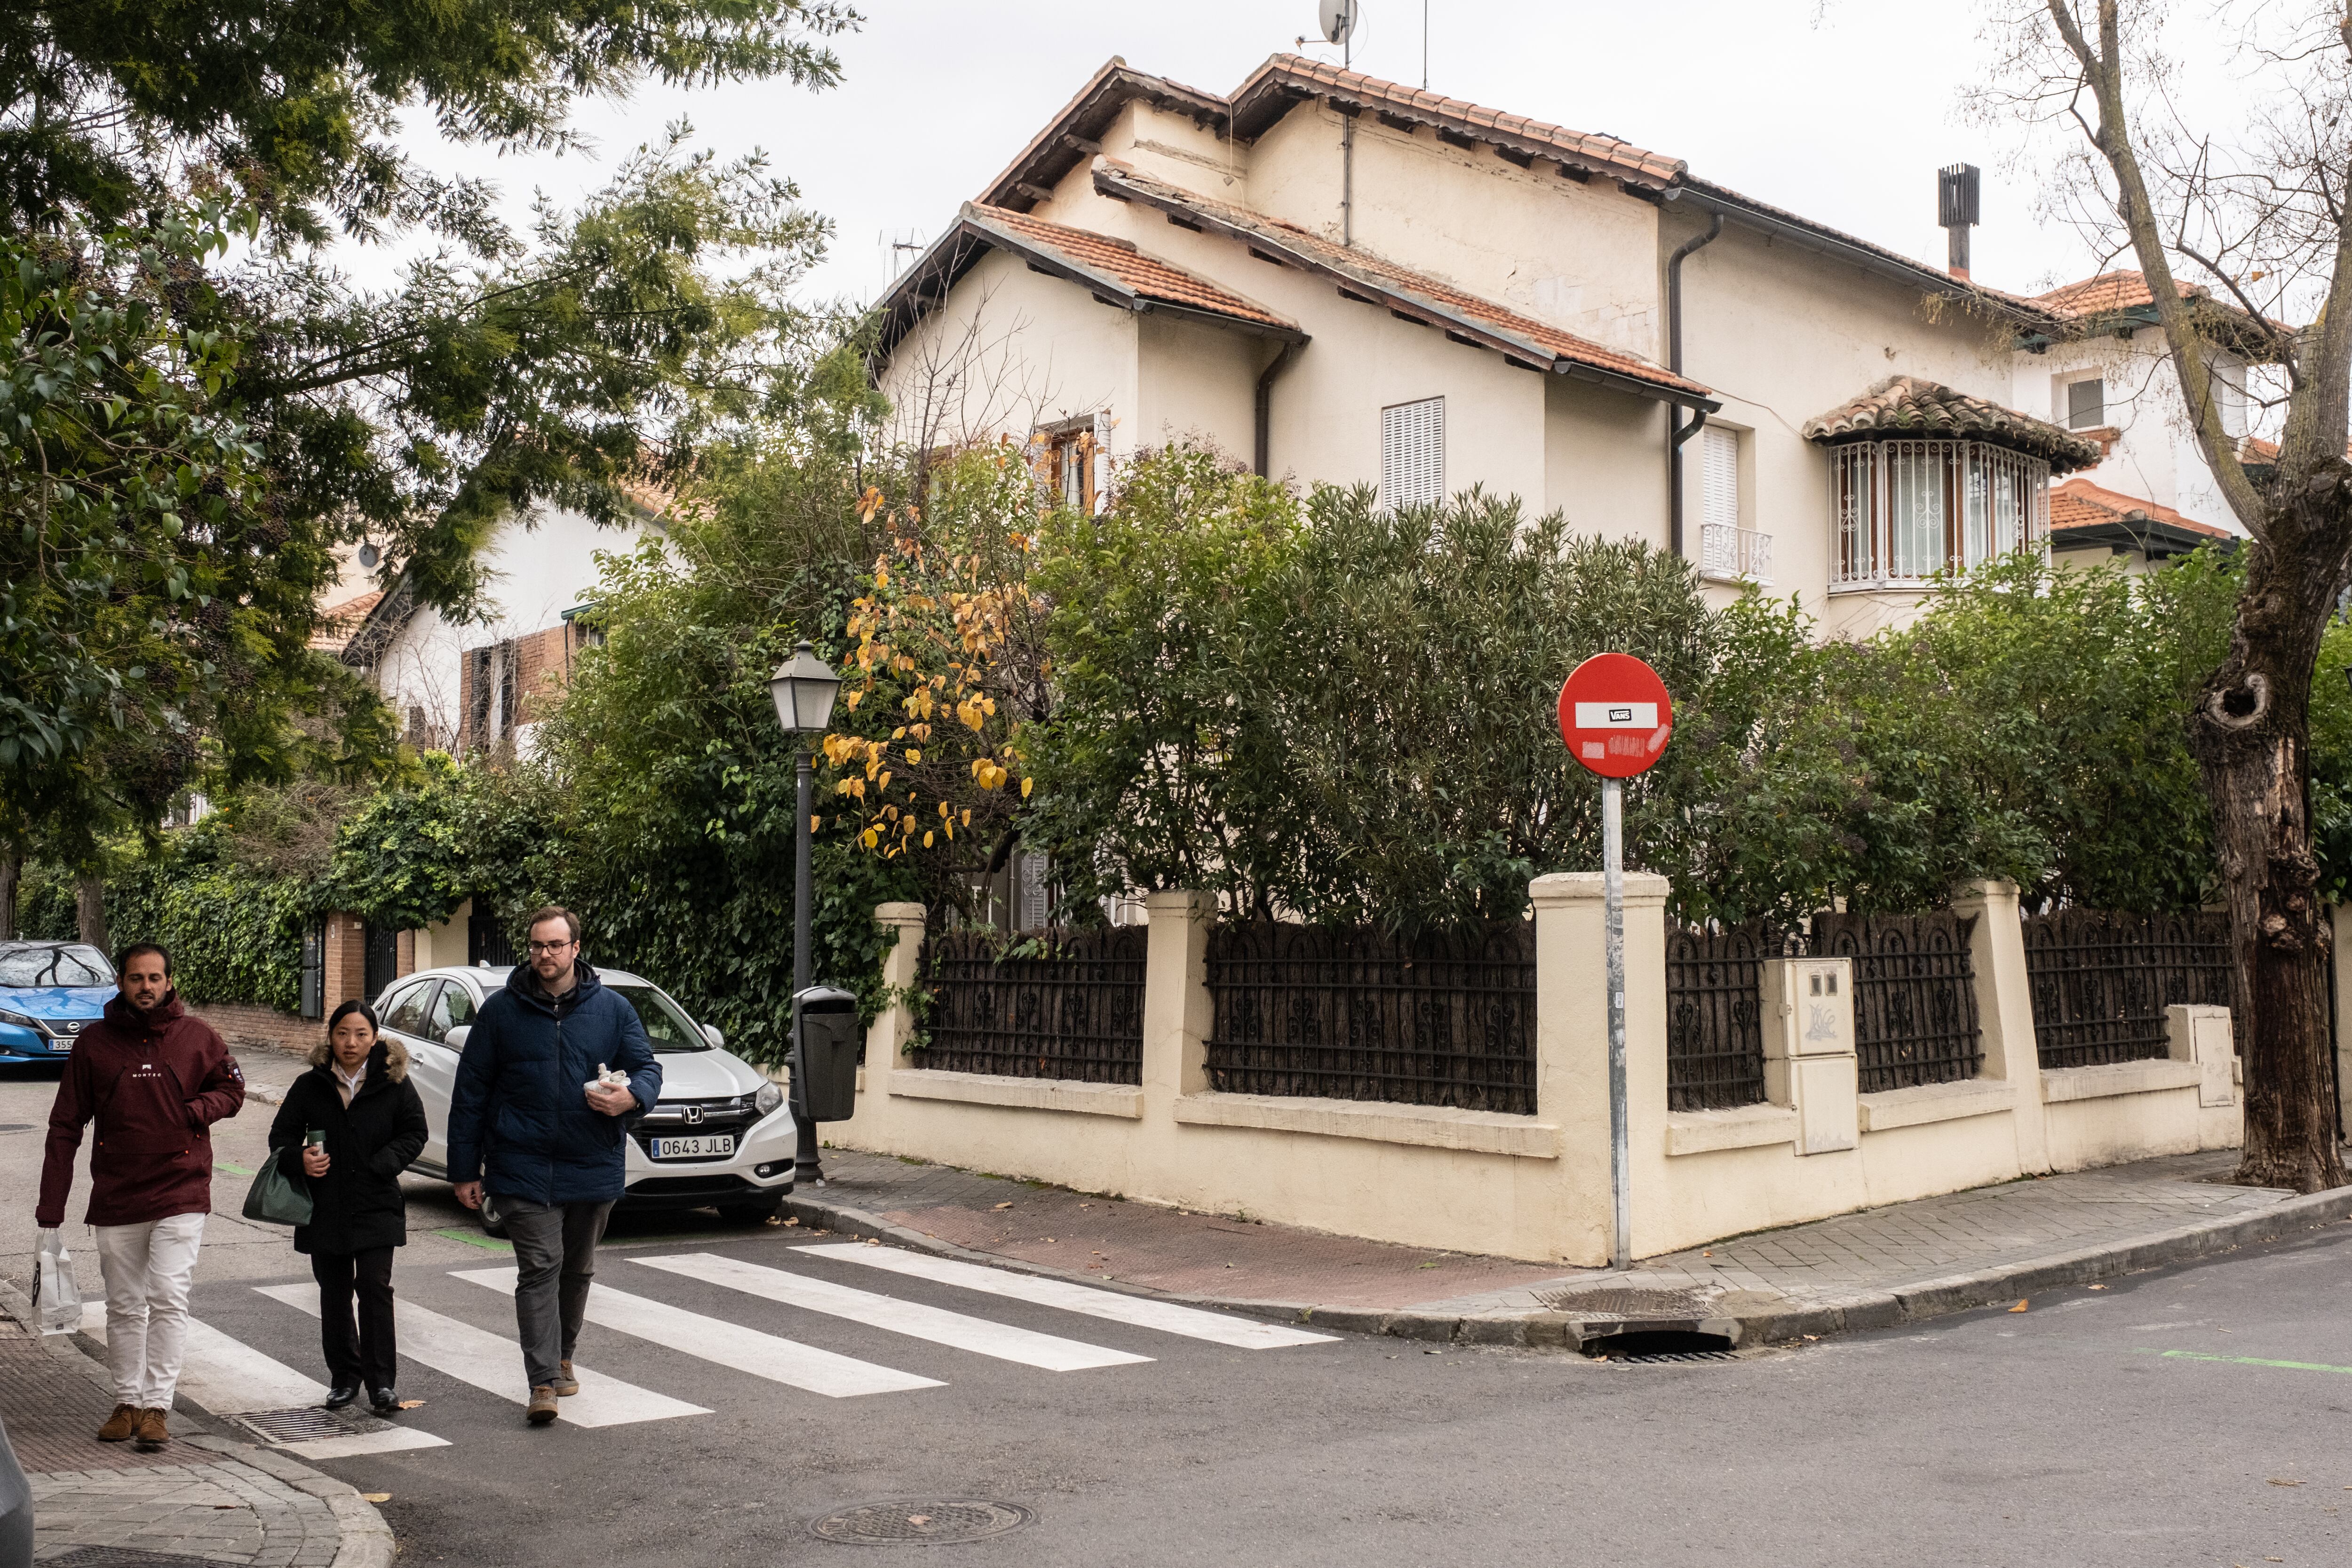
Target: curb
1561,1330
367,1540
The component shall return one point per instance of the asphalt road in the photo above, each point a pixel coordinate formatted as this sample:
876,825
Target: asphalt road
2148,1423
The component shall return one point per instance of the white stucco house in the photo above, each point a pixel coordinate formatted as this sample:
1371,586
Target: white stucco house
462,685
1338,279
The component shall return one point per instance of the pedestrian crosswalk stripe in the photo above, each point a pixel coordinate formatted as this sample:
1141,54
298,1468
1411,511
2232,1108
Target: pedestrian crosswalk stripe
770,1356
1141,1311
1049,1352
229,1378
493,1363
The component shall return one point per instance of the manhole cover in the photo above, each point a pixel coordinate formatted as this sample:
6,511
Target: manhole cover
921,1522
1628,1303
306,1423
124,1557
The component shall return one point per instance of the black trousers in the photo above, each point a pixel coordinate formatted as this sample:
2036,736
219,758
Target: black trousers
364,1354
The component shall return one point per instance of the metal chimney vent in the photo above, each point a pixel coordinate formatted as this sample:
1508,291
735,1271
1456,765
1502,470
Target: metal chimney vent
1955,193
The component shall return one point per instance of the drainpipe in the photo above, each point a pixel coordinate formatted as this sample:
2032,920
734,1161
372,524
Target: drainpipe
1264,405
1677,433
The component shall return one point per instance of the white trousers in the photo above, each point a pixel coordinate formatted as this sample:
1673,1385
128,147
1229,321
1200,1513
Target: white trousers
147,1269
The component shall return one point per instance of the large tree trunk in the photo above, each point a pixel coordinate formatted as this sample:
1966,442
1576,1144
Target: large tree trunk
2250,735
90,910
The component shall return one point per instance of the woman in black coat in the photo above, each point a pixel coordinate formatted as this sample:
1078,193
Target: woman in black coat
349,1126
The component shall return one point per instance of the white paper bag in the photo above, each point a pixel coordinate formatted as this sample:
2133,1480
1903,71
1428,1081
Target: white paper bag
60,1295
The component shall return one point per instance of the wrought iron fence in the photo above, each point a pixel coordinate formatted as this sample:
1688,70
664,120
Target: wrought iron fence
1440,1019
1056,1004
1714,1034
1915,997
2101,981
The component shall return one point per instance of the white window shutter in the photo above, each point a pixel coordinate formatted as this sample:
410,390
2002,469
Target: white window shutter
1413,454
1719,479
1102,461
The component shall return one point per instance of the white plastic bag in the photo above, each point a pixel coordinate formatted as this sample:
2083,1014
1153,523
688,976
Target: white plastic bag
60,1296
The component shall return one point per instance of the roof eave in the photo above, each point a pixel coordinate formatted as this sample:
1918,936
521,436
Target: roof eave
1112,86
2153,537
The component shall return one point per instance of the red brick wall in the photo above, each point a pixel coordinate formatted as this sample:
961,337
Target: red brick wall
346,967
249,1028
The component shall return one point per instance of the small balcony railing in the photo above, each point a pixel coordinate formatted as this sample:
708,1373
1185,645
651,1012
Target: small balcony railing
1735,554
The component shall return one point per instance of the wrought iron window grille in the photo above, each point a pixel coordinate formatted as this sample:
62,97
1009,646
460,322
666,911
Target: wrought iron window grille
1057,1004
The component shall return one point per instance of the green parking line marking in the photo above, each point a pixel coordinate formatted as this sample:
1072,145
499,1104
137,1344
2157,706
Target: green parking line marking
2248,1361
231,1170
475,1238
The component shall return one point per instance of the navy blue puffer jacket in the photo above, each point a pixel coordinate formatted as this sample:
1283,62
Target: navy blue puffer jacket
520,1120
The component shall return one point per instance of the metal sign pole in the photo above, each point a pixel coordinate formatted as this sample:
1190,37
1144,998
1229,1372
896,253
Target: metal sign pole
1612,876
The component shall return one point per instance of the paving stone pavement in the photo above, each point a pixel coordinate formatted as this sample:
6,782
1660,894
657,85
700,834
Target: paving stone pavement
2097,1221
204,1497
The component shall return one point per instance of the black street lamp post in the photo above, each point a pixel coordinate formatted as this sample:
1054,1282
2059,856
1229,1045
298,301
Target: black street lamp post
803,687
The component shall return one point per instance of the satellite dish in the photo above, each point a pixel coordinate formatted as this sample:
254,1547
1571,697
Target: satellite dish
368,555
1339,19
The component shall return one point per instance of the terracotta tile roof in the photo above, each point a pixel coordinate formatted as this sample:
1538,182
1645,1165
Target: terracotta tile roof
337,623
2079,503
1400,284
1906,405
1143,276
1585,149
2109,293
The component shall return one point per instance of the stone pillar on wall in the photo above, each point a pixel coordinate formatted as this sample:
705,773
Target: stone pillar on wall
1572,1048
2005,1008
2339,917
345,975
1178,1014
886,1037
403,954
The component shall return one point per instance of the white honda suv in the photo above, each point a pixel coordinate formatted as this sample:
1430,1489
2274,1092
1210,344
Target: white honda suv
718,1137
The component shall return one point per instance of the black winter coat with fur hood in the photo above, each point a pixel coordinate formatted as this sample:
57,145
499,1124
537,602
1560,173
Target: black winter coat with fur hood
357,1205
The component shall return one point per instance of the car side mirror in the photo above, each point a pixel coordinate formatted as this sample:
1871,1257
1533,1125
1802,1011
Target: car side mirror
456,1038
711,1031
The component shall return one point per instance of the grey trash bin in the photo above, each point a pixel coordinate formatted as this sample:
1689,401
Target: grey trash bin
826,1041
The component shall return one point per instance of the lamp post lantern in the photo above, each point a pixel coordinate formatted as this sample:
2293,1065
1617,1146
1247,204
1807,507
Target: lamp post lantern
803,687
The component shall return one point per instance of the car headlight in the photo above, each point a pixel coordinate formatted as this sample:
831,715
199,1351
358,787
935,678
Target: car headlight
768,1098
18,1019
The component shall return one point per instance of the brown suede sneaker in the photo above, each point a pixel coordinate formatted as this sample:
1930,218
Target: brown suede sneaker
153,1433
543,1405
121,1426
566,1384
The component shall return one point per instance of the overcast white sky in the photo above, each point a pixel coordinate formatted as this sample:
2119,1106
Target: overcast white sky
1838,109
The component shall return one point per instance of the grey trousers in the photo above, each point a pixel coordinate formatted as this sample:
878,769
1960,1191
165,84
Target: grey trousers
555,1258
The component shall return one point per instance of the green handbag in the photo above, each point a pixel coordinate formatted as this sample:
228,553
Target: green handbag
275,1198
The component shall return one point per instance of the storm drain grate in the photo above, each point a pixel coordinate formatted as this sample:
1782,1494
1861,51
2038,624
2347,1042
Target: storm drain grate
15,1127
1649,1357
1628,1303
307,1423
124,1557
935,1521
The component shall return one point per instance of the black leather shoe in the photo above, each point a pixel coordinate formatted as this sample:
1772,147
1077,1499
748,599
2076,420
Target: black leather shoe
342,1395
387,1401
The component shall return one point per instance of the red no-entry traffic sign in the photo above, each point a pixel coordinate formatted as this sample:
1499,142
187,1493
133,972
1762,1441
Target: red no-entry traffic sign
1615,715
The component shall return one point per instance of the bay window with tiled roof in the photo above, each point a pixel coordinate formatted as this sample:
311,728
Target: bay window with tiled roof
1925,479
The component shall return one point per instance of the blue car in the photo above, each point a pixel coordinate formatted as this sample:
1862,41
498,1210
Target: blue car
49,993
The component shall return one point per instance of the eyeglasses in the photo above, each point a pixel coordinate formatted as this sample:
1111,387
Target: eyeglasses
548,946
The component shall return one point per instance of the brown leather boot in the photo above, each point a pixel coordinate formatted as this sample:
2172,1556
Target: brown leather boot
543,1405
565,1384
121,1426
153,1433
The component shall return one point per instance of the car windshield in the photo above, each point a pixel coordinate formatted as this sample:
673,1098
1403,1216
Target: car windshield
670,1030
59,963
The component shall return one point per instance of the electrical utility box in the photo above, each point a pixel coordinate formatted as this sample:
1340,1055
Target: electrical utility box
1808,1050
826,1042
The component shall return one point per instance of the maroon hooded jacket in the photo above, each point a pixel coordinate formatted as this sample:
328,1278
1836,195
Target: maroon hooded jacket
155,1082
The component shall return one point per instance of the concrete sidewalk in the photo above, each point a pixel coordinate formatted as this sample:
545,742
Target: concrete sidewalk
204,1500
1870,1269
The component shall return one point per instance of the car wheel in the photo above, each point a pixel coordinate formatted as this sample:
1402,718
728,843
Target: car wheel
757,1211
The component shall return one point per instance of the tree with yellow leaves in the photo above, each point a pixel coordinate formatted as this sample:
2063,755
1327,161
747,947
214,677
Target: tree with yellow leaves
945,669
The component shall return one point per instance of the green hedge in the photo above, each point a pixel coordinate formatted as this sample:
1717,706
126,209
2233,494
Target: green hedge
232,936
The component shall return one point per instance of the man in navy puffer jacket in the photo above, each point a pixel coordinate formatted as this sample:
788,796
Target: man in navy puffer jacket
530,1122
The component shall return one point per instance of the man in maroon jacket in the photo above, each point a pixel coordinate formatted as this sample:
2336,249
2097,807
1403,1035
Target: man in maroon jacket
155,1081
